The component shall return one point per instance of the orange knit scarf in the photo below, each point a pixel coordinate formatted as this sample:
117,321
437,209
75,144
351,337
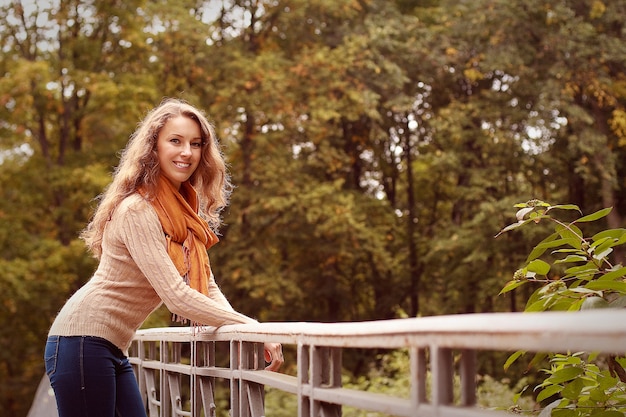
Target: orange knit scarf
188,235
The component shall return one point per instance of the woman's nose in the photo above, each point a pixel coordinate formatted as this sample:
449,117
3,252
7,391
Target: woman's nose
186,149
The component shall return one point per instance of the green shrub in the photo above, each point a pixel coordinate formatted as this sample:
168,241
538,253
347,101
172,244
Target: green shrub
573,272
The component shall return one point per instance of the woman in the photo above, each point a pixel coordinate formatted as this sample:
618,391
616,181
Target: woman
150,236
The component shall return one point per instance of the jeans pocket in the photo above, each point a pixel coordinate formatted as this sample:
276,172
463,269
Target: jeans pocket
51,355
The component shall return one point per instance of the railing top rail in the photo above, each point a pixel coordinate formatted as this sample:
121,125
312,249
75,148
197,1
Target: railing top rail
595,330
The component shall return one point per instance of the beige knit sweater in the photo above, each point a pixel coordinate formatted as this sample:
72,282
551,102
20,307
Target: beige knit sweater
134,277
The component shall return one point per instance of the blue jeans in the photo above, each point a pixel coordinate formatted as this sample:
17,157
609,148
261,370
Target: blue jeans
91,377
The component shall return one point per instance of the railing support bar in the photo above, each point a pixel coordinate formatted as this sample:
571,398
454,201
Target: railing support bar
442,374
234,383
325,372
468,377
165,399
418,376
303,359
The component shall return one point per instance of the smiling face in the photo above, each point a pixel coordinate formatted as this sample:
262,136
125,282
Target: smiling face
179,148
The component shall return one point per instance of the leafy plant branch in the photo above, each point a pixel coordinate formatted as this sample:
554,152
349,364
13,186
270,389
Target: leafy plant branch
574,273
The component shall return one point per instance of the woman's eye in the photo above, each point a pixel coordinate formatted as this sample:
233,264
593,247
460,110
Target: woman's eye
197,144
175,140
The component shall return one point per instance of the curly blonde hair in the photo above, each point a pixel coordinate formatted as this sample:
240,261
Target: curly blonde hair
139,167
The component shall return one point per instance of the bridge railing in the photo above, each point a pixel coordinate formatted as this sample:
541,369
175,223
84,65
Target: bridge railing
177,369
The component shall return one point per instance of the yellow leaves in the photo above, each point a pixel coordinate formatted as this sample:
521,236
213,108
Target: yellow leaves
597,9
617,123
473,74
570,89
590,84
600,92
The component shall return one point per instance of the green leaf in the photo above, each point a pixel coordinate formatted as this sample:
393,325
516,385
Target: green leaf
572,234
606,381
548,392
519,224
582,271
565,374
563,412
537,306
511,285
565,207
537,359
545,244
513,226
602,254
586,291
518,395
539,266
603,247
536,295
618,286
595,216
576,305
599,241
563,304
511,359
615,274
573,389
571,258
598,394
569,250
569,359
616,234
609,413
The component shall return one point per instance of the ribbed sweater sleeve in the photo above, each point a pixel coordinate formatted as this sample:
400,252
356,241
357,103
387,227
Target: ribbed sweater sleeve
143,236
216,294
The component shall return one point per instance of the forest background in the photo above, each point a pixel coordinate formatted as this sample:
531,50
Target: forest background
377,146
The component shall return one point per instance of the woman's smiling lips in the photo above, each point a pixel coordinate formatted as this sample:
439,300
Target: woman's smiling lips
182,165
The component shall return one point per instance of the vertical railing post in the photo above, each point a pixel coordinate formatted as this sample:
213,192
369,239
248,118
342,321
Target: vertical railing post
154,403
165,399
468,377
235,403
247,398
256,392
418,376
245,359
206,383
304,401
326,373
174,381
141,378
442,374
194,384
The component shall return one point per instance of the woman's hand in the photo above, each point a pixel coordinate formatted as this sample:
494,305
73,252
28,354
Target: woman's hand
273,355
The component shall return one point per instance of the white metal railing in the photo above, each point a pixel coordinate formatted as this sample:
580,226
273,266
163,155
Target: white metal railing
177,369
